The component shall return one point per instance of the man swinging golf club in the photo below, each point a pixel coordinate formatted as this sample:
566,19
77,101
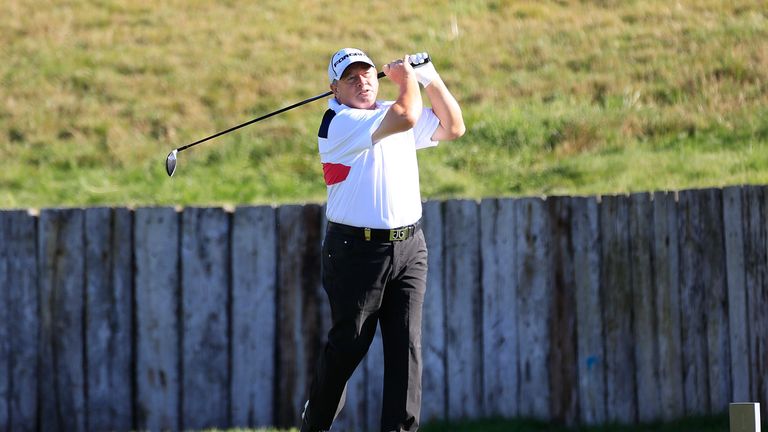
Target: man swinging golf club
374,263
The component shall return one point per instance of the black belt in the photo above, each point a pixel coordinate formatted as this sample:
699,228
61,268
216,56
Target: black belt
375,234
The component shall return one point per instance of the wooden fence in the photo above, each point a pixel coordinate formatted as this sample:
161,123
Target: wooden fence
573,309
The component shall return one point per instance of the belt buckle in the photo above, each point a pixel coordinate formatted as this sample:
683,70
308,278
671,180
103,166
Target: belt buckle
398,234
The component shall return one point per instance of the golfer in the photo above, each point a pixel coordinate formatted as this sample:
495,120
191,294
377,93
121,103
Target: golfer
374,263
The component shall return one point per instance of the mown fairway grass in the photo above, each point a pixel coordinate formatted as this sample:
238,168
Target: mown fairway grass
560,97
700,424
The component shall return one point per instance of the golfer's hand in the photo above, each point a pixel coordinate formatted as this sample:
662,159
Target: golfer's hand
399,71
425,73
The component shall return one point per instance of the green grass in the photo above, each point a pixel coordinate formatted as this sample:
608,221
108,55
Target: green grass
699,424
702,424
559,97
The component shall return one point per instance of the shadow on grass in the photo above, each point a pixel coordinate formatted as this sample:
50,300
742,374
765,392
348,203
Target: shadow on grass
698,424
694,424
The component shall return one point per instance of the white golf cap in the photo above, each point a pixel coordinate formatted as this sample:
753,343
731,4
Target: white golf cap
343,58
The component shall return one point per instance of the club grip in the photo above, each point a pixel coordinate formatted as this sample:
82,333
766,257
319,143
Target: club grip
427,60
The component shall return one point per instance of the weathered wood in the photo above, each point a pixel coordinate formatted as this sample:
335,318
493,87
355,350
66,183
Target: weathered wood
205,296
500,356
534,296
5,343
563,356
589,322
737,294
616,291
108,287
299,320
705,319
667,283
156,251
433,402
716,248
692,299
61,263
716,301
254,287
463,305
19,323
641,237
756,261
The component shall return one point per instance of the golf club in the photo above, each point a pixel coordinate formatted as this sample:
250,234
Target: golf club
170,161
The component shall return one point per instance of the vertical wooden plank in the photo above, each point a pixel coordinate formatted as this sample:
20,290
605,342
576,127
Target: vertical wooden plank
589,322
433,401
534,294
299,320
737,294
108,286
156,251
254,286
616,291
756,261
205,337
716,301
692,298
563,357
5,343
500,375
463,305
61,259
641,236
705,286
19,319
667,282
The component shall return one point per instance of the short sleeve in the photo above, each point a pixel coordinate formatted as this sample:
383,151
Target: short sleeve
349,131
425,128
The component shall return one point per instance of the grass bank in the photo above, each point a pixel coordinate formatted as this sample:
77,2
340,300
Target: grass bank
560,97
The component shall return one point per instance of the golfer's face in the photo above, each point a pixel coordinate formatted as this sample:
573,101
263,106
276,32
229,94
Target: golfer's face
358,86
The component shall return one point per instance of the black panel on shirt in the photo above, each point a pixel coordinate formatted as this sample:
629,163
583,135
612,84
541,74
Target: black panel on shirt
326,123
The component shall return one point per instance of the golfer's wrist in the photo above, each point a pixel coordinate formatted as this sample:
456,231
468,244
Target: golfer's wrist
409,83
426,74
425,81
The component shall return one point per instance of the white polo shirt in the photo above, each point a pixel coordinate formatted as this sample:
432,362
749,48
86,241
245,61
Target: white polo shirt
372,185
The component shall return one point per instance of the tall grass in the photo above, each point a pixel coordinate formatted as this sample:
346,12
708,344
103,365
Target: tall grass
560,97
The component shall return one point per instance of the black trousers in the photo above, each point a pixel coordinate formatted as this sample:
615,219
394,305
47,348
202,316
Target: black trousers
369,282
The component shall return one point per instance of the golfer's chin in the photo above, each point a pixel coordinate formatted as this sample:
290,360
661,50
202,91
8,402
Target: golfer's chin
364,101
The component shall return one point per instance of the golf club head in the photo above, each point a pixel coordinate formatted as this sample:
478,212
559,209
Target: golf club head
170,163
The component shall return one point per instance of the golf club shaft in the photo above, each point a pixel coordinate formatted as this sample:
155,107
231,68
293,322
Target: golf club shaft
306,101
290,107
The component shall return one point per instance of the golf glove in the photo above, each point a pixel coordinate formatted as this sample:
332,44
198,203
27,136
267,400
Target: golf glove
425,73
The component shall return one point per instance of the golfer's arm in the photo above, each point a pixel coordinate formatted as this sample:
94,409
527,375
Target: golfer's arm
404,113
446,109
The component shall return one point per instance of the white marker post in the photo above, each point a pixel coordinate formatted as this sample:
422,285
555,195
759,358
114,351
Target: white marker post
745,417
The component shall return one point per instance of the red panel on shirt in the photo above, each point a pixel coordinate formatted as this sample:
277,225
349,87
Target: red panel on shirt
335,173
